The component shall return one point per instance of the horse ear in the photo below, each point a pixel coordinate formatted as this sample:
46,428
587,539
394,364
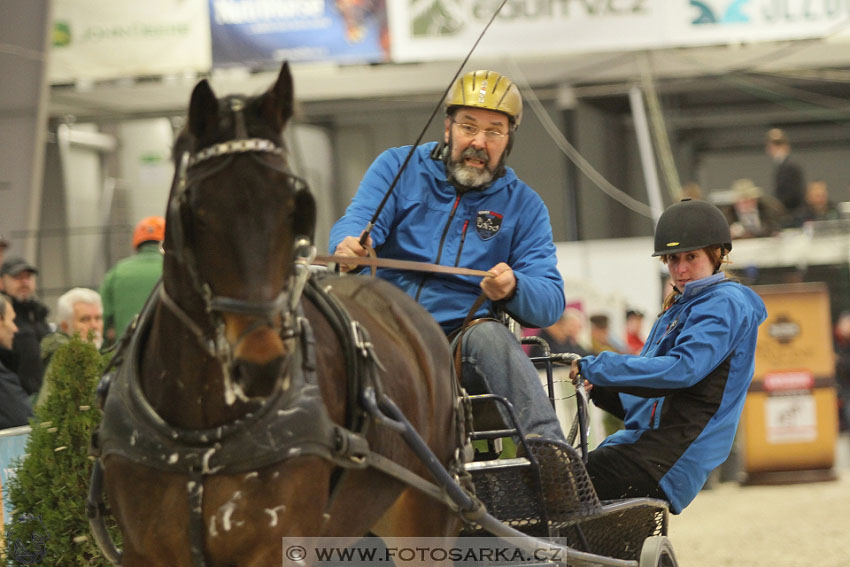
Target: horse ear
278,100
304,217
203,109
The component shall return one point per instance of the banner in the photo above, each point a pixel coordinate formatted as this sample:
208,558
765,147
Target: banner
13,442
701,22
446,29
104,39
261,32
425,30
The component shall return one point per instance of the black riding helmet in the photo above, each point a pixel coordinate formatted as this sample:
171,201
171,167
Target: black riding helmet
691,225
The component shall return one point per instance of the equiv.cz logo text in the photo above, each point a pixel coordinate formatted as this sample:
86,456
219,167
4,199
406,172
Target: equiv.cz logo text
720,11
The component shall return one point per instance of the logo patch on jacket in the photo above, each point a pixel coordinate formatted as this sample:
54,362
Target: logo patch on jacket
488,223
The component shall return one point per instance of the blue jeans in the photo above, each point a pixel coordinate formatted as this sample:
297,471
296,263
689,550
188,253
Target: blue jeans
494,363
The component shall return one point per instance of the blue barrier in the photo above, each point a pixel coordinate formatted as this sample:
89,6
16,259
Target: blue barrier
13,444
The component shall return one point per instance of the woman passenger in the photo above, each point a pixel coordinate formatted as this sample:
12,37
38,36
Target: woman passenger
681,397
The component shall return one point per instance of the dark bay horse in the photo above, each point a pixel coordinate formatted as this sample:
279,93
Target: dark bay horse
238,388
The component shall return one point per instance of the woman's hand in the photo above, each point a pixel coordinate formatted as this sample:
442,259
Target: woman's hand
575,376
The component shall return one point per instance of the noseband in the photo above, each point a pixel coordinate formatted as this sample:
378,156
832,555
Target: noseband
193,168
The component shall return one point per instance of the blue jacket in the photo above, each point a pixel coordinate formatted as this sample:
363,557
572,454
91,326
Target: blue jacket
682,396
427,220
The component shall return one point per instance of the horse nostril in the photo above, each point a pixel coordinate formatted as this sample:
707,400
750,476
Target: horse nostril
256,379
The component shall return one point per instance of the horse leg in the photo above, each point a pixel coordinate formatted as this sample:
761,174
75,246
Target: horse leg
148,505
362,497
249,515
417,515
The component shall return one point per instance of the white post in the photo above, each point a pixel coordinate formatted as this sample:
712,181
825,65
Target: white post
650,174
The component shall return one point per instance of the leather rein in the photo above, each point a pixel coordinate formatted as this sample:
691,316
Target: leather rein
400,265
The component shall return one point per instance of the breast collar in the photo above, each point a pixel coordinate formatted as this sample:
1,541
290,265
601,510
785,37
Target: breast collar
290,423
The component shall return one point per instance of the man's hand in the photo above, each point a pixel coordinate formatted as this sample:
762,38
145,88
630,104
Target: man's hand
350,246
502,285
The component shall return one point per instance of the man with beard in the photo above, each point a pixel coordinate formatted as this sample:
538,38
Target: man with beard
458,204
19,279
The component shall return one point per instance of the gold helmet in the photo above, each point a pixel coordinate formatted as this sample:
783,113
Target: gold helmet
486,89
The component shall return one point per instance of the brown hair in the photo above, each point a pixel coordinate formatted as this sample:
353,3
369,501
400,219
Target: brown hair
718,256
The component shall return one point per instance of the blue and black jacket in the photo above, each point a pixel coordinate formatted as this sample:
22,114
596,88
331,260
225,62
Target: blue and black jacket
681,398
426,219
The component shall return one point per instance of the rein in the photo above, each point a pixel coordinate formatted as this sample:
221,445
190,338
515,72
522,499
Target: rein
400,265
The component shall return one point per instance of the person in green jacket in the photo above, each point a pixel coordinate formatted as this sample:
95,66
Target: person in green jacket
128,284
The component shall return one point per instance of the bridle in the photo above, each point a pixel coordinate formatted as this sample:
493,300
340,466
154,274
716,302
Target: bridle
193,168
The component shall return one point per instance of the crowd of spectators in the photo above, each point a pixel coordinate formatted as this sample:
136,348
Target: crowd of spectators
28,338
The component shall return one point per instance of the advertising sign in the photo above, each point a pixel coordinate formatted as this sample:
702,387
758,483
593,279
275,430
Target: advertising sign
790,418
446,29
13,442
104,39
439,29
261,32
699,22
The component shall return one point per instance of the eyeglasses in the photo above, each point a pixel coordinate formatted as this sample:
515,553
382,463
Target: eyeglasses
470,130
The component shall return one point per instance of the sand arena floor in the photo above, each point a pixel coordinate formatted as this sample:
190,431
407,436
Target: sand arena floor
793,525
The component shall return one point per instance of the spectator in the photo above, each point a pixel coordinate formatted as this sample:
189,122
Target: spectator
817,207
128,284
789,185
842,368
600,337
634,331
4,245
753,213
15,407
564,335
19,283
681,398
78,311
489,219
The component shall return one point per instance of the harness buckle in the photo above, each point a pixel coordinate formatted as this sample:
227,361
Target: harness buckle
363,343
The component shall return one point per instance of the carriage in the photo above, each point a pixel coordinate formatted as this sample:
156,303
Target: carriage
236,414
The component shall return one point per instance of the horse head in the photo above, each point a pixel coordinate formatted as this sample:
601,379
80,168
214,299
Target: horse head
233,284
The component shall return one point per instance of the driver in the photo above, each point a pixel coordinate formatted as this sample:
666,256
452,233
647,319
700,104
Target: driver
458,204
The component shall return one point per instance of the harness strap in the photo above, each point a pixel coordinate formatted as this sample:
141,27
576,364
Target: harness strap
197,332
195,488
468,322
410,478
96,512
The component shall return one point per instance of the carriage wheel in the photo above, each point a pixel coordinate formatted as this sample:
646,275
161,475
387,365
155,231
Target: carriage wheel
657,551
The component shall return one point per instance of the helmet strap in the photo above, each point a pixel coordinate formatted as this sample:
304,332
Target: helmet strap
439,152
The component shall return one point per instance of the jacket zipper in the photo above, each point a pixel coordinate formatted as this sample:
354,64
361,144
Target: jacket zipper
652,416
462,239
440,249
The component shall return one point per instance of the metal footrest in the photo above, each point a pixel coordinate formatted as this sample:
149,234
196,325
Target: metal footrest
620,529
